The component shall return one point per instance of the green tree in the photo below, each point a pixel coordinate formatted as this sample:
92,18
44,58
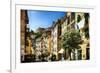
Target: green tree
71,40
37,35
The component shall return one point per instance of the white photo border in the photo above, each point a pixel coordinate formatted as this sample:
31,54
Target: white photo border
17,66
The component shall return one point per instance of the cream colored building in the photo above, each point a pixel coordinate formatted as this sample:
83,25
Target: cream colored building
56,38
54,34
76,21
46,41
38,46
83,23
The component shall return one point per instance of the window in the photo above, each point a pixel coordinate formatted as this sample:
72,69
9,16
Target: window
86,15
72,16
78,18
68,22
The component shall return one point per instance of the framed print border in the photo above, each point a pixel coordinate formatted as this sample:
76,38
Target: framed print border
16,66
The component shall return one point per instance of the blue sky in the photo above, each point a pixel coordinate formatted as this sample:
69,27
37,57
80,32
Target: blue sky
43,19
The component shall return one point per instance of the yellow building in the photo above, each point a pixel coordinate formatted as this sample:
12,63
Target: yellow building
29,48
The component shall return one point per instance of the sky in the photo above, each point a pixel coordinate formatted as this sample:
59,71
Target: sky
43,19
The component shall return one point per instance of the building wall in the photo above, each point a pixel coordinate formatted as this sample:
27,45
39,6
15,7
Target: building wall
71,23
23,24
54,40
38,47
64,26
67,24
82,33
44,42
24,21
49,42
29,47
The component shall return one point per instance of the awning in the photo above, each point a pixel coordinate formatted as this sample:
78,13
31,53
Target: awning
61,51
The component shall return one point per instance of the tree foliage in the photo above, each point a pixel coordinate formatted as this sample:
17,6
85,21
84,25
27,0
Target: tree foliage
38,35
71,40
